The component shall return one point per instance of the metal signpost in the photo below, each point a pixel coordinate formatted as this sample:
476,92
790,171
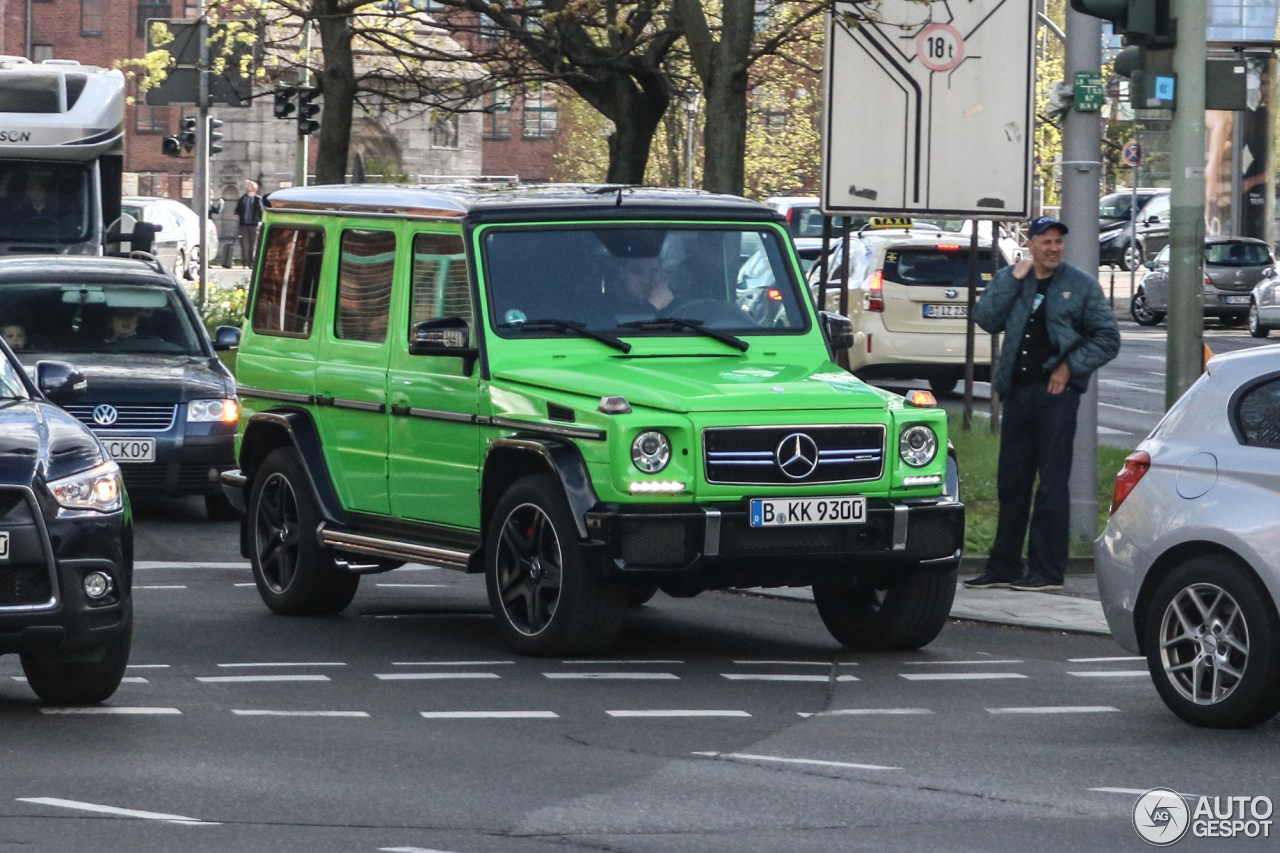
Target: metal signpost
1132,154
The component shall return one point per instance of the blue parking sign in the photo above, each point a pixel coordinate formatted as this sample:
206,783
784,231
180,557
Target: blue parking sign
1165,88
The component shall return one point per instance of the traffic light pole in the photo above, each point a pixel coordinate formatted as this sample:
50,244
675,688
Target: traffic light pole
202,160
1081,170
304,80
1185,354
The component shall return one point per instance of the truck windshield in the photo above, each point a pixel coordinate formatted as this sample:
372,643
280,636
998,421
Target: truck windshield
612,279
43,202
90,317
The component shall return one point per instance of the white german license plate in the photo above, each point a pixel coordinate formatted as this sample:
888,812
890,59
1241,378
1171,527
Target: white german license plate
933,310
4,544
1236,300
794,512
131,449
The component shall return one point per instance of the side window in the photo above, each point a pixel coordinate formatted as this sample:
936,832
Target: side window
1258,415
286,300
367,263
1159,206
441,287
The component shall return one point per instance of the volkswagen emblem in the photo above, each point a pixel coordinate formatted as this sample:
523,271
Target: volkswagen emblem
951,293
797,455
105,415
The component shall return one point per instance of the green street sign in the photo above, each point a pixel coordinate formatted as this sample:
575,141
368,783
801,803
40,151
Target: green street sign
1089,91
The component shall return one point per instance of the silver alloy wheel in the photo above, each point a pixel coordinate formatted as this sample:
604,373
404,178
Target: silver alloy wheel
1132,256
1204,643
1255,322
1141,312
530,569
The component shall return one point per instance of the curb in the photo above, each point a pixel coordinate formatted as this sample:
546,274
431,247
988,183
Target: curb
1075,565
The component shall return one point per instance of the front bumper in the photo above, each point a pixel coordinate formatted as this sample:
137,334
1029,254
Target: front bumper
714,547
188,461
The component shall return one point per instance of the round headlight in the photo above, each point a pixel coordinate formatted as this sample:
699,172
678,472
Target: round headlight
918,445
651,451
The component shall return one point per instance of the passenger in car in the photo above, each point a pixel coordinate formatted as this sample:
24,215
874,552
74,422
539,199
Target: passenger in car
15,335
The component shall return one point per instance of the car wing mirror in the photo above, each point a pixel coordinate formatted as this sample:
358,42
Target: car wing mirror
1269,272
225,338
1150,265
1153,220
61,383
838,330
445,336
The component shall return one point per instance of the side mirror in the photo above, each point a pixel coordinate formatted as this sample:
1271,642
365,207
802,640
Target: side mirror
225,338
60,383
445,336
143,237
838,330
1153,220
1150,265
1269,272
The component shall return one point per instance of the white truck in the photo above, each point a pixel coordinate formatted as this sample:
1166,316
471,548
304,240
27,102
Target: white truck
61,156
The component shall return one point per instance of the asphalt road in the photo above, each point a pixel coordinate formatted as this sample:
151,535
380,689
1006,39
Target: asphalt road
723,722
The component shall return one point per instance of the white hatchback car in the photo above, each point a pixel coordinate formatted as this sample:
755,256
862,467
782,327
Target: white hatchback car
1189,564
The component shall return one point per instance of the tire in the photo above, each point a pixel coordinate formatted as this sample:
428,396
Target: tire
60,683
180,265
1236,688
1141,314
294,574
1131,257
218,508
944,386
907,614
1256,328
639,594
545,600
1233,321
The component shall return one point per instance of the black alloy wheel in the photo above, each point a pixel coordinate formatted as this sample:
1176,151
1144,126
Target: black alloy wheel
530,569
1141,313
277,535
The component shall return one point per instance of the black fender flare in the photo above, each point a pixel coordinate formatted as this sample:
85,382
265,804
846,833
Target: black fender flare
951,480
288,426
510,458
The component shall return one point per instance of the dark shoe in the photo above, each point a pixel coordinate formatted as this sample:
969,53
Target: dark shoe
987,580
1031,583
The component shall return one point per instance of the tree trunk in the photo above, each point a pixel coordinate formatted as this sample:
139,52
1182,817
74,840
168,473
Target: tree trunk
635,105
338,85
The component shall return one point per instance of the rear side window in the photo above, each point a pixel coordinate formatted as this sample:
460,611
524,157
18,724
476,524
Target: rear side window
441,287
290,279
365,270
1236,255
1258,415
936,267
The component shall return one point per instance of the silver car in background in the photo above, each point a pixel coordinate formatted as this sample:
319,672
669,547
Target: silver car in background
1233,267
1189,564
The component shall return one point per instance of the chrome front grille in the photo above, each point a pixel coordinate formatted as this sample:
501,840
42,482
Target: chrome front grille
129,416
826,454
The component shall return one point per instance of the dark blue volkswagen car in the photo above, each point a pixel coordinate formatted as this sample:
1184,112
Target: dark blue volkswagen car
66,540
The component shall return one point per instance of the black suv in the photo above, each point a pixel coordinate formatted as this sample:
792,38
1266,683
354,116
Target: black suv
66,540
163,404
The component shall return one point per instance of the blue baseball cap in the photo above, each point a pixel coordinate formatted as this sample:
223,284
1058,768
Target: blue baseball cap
1041,224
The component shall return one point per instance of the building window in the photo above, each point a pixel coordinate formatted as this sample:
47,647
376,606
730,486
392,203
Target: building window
490,30
497,116
148,119
41,52
774,121
444,130
148,9
91,17
540,116
190,8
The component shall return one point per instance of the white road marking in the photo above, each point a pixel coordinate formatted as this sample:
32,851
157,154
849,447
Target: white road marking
112,810
432,676
792,663
181,564
1126,408
249,679
147,666
246,584
21,678
766,676
958,676
1106,660
1056,709
868,712
418,567
1109,431
1138,792
598,662
278,663
956,662
1112,673
746,756
1129,386
453,663
677,713
160,586
134,679
412,585
300,713
612,676
410,850
1149,358
490,715
93,710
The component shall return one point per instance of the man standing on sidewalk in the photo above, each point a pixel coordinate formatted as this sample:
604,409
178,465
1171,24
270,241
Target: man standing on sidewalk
249,215
1059,328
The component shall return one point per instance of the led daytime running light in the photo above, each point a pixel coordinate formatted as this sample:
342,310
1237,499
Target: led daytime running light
656,487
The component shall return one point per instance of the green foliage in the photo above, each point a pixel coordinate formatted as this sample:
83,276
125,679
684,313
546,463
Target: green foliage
224,305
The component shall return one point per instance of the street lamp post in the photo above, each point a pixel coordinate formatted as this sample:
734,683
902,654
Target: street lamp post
692,101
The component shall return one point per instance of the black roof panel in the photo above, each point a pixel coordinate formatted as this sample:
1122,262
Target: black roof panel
71,267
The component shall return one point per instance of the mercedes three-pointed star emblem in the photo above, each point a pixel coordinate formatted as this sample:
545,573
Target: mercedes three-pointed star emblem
797,456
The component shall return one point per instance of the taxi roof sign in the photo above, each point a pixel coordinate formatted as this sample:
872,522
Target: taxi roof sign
880,223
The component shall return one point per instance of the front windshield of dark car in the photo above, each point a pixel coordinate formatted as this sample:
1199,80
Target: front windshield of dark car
44,202
106,317
11,386
612,278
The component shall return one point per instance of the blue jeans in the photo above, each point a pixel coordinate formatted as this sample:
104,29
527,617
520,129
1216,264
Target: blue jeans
1036,438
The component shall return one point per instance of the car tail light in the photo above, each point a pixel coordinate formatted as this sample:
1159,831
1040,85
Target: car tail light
948,247
875,293
1136,464
774,294
1208,280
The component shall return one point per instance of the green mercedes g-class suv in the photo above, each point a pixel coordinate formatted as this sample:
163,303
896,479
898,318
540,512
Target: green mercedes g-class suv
575,390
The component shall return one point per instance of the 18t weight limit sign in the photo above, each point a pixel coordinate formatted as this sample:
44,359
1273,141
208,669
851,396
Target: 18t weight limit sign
940,47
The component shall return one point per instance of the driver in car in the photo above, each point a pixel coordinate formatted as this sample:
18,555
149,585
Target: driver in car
122,325
36,203
646,289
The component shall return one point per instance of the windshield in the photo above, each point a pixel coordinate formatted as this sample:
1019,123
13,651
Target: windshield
1236,255
807,222
611,279
1117,205
44,202
106,317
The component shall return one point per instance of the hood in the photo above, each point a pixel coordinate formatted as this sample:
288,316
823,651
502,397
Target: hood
137,378
39,441
690,384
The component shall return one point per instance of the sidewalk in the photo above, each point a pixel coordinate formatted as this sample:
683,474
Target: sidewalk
1076,609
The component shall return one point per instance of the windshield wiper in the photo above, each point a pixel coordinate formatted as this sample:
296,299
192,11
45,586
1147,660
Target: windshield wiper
692,325
579,329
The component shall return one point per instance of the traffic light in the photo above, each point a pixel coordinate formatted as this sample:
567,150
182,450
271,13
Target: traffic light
1152,83
1143,22
284,101
171,146
306,109
187,134
214,136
